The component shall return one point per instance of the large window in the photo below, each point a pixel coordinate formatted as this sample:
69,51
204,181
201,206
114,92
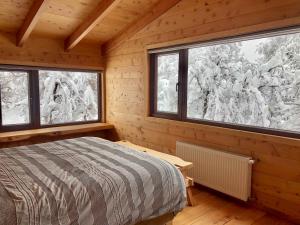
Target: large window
249,83
35,98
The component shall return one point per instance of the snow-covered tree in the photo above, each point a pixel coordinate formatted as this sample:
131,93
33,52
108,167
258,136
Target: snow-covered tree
64,97
280,70
254,82
167,100
14,97
223,86
68,97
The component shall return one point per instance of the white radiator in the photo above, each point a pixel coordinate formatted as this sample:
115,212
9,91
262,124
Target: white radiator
225,172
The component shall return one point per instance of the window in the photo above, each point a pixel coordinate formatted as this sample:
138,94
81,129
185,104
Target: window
167,83
67,97
14,98
249,82
34,98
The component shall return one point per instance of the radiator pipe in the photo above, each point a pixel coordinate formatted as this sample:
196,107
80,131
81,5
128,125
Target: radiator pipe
251,161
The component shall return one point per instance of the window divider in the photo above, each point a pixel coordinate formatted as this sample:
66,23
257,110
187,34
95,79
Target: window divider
1,128
100,100
152,81
183,79
34,98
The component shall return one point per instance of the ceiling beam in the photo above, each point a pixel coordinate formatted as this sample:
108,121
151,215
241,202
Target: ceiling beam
102,10
31,20
157,10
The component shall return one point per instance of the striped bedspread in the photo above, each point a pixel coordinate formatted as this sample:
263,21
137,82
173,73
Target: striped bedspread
85,181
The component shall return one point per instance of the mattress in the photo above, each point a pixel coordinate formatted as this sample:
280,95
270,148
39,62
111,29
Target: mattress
86,181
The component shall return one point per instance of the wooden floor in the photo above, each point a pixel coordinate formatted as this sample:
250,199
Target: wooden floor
212,208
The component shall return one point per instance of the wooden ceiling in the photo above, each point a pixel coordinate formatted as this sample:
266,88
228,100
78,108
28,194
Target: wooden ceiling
92,21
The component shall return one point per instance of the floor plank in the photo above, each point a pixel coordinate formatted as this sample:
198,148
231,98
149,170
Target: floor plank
212,208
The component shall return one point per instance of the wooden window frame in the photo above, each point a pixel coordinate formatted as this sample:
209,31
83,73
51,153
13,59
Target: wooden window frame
183,79
34,98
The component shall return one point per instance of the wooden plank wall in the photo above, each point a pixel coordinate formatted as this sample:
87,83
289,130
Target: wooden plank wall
276,177
39,51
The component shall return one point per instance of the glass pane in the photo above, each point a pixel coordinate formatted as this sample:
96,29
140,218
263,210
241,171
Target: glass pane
167,79
14,98
254,82
67,97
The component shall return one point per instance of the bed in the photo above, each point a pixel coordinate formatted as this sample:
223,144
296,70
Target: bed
88,181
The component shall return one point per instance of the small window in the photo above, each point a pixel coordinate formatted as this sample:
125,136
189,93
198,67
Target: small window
14,98
67,97
247,82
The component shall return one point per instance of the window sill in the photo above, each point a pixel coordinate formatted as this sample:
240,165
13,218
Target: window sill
205,128
53,131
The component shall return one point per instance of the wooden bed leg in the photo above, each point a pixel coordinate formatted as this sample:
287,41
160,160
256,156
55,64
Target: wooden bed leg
189,183
190,197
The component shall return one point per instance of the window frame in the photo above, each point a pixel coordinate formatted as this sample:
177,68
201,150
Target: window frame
183,80
34,98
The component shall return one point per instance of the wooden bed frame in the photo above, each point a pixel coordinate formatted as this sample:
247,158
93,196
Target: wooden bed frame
182,165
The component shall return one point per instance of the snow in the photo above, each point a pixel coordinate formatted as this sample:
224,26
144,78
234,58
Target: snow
68,96
64,97
167,79
255,82
249,49
14,98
